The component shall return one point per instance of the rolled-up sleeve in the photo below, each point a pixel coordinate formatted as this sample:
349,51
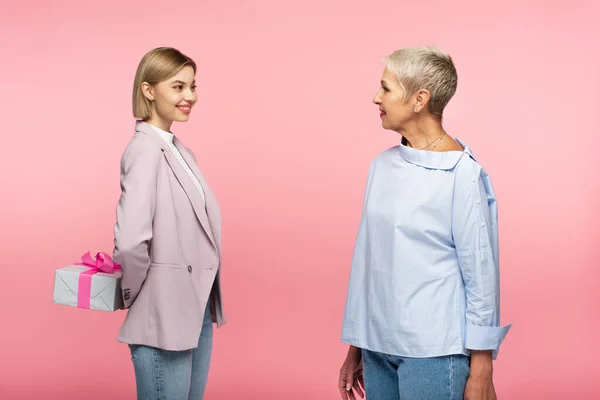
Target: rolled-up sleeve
135,213
475,231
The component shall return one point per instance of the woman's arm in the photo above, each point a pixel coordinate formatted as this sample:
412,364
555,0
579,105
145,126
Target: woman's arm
475,231
135,212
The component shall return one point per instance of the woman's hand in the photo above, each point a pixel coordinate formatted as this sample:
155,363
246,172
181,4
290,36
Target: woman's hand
480,388
480,385
351,375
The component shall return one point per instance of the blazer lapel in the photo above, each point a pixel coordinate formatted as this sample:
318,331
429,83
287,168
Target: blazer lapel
214,216
209,197
192,192
182,176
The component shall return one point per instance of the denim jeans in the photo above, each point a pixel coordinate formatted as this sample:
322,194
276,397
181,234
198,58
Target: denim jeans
173,375
393,378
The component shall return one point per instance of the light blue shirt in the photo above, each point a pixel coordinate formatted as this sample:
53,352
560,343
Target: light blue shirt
424,279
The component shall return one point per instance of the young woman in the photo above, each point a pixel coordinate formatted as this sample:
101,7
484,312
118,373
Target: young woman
167,238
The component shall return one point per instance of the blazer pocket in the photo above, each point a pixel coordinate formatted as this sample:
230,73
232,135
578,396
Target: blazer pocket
154,264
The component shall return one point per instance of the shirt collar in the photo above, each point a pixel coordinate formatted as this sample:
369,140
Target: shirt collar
434,159
167,136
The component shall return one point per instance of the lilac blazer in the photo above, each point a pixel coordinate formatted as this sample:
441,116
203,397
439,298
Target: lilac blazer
168,244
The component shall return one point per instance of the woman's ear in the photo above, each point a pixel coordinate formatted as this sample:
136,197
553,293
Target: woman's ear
148,91
422,97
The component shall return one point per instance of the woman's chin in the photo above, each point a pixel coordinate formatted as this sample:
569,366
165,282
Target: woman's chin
182,118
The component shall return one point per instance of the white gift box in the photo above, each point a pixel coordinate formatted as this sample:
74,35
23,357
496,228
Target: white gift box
73,289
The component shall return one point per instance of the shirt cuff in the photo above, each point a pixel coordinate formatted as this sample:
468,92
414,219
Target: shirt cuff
485,337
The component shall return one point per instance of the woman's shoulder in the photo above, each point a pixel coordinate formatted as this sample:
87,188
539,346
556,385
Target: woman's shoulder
141,146
382,159
386,154
468,170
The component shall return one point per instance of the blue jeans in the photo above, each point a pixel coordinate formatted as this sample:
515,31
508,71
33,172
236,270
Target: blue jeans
393,378
174,375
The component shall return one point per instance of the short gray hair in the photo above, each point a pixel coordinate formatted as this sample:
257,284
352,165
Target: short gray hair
425,67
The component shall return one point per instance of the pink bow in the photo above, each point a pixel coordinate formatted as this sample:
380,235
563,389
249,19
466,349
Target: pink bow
102,263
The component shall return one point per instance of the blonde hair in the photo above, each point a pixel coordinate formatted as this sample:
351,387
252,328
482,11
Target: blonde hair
425,67
156,66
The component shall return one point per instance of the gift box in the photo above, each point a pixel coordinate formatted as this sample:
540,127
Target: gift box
95,284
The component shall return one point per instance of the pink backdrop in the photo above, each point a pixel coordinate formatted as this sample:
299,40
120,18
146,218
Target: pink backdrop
284,131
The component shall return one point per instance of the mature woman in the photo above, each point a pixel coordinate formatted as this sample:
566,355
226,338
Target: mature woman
167,238
422,310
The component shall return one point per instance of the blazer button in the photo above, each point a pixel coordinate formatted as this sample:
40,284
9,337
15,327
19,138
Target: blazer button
190,269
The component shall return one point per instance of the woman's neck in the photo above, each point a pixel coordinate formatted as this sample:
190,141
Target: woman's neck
423,132
160,123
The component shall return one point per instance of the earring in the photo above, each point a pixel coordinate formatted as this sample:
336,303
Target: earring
415,110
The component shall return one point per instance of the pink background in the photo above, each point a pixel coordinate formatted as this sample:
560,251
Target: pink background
284,131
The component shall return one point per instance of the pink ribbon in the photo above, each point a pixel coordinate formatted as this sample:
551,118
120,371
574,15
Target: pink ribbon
102,263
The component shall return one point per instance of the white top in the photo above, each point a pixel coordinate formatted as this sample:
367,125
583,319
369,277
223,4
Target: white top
168,137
